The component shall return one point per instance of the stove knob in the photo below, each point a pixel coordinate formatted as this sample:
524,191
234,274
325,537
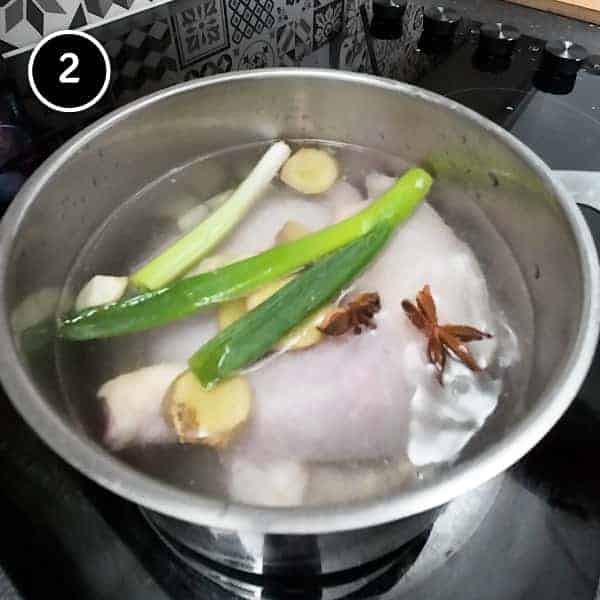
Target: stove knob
387,19
563,58
497,39
440,21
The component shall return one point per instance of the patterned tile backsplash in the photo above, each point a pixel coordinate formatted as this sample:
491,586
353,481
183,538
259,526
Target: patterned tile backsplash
25,22
201,29
328,19
156,43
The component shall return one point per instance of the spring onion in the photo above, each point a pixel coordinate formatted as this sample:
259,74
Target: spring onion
185,252
187,296
252,336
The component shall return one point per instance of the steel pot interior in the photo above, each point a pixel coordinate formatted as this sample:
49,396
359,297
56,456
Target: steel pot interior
488,185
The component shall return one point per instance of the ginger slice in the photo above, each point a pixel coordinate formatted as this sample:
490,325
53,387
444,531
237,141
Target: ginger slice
310,171
207,417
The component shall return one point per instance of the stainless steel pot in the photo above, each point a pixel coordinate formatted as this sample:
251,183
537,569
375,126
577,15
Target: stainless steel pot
503,188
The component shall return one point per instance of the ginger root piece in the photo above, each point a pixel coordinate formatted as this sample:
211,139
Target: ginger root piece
310,171
207,417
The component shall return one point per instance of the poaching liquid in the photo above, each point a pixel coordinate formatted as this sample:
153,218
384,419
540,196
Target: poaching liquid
349,418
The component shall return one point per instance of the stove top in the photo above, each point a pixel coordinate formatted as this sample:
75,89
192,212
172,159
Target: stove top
533,532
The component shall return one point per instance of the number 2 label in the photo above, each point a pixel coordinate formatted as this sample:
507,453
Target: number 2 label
65,76
68,71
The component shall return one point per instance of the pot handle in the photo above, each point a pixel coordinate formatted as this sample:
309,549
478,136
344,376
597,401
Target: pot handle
584,186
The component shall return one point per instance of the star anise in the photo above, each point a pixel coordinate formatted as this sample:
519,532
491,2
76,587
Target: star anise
443,340
355,315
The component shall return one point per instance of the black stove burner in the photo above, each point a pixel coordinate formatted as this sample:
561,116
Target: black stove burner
370,580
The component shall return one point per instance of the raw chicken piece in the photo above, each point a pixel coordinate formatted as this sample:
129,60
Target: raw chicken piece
330,484
133,406
377,184
194,216
101,289
35,308
346,200
334,401
258,230
289,483
352,398
276,483
177,342
132,401
366,397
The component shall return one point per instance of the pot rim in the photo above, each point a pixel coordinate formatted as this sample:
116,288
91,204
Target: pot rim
97,463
